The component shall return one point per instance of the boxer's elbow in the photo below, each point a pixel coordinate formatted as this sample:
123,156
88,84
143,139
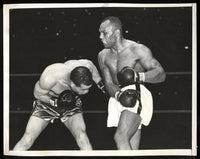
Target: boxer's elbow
162,75
35,93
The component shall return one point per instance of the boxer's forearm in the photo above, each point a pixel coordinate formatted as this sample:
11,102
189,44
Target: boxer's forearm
96,76
44,98
111,89
155,75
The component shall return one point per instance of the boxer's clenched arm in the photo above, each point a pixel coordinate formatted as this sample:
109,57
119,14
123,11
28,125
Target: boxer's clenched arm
42,88
96,77
95,73
111,88
155,72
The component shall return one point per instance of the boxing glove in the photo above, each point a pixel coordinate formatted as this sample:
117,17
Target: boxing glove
127,98
67,99
128,76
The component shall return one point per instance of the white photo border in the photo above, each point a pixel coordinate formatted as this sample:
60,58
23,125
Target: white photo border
6,76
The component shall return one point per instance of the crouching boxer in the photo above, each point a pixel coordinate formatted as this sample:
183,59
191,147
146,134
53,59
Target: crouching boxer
57,96
125,66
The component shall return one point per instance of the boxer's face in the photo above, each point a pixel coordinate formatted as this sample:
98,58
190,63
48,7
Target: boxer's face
107,34
83,89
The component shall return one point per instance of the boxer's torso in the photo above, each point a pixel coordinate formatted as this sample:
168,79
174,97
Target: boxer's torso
59,74
128,56
54,80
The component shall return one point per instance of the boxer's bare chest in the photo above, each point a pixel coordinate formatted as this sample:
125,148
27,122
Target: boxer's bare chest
116,61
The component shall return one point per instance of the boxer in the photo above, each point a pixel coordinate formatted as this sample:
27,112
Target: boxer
126,65
58,96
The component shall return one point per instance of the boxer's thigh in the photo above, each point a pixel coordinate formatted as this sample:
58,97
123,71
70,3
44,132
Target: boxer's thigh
75,123
35,126
129,123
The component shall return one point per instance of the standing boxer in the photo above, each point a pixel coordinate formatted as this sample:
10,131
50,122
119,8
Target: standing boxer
125,66
57,97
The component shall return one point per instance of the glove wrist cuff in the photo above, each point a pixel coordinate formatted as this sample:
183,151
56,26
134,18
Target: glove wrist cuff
101,86
141,77
53,101
117,95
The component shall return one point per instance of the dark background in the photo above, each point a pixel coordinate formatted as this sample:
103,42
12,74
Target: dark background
39,37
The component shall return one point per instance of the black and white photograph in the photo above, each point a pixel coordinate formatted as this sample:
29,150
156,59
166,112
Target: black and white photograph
100,79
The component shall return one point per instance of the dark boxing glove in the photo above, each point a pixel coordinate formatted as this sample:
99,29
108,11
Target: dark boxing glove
127,98
67,99
128,76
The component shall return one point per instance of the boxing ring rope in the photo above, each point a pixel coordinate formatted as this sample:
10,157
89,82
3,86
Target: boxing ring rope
99,111
103,111
38,74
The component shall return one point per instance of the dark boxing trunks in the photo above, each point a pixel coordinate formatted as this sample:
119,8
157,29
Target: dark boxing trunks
49,113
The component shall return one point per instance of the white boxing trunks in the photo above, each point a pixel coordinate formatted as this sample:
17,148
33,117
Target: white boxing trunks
115,108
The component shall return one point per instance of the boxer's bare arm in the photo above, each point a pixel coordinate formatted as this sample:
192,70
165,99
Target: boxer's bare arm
155,72
42,88
110,86
95,73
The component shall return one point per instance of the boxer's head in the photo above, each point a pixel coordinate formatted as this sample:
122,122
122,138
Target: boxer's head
82,79
110,29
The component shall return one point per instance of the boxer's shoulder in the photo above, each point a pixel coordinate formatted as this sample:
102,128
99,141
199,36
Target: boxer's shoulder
103,53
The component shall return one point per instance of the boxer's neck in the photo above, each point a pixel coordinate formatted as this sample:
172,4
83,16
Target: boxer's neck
119,46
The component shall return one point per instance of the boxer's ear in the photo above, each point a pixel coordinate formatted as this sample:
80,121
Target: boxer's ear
117,32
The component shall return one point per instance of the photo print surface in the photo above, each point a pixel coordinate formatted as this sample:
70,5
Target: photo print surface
37,36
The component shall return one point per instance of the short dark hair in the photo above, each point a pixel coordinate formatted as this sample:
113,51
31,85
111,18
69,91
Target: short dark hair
81,75
115,21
